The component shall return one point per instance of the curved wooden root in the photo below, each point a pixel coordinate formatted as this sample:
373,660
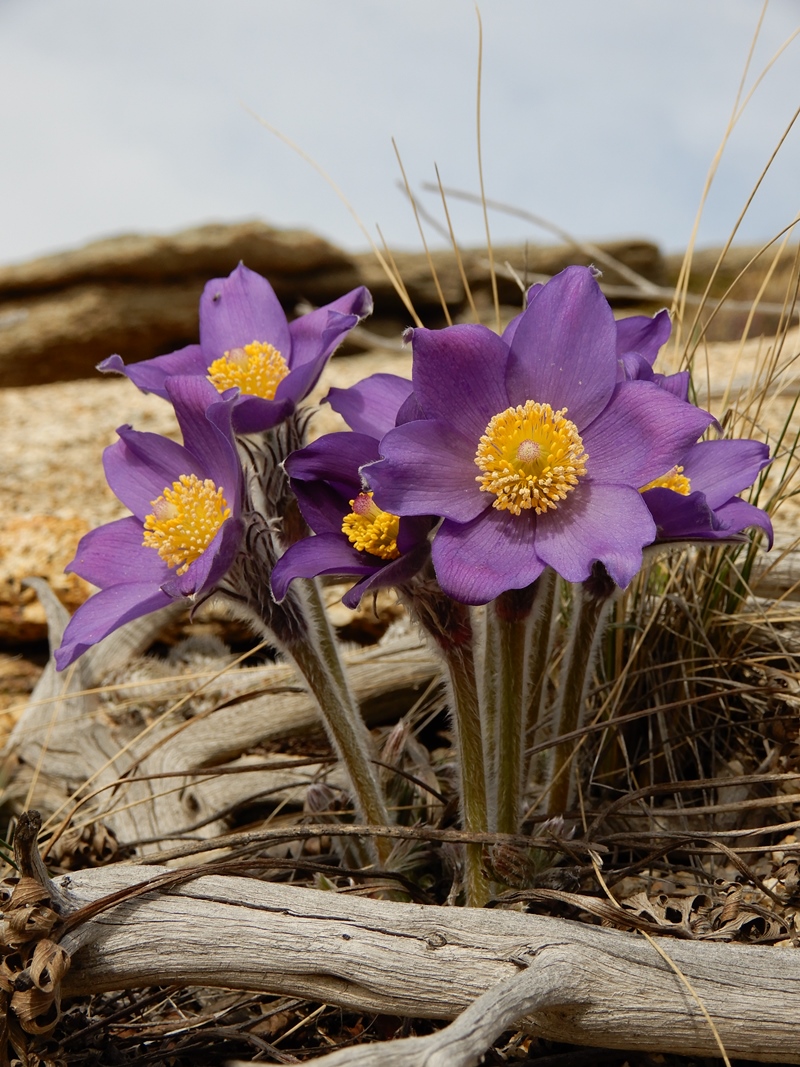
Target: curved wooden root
588,985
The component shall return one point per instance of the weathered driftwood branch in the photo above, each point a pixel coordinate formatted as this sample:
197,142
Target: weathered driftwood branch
601,987
553,982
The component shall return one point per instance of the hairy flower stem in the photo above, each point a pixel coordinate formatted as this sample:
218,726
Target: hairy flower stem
317,659
593,600
450,626
512,614
487,681
466,720
539,651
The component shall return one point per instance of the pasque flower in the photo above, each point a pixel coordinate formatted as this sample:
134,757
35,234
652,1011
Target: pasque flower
353,536
185,528
533,447
247,342
697,500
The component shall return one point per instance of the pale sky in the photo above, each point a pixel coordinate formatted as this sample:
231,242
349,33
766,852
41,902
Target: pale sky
601,115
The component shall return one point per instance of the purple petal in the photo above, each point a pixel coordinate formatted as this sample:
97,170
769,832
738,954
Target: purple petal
458,376
414,530
677,384
371,406
410,411
105,612
205,421
140,466
211,566
323,505
478,560
240,309
642,433
610,523
634,368
564,349
254,414
643,335
737,515
357,302
323,329
335,458
150,375
325,477
511,328
114,554
428,469
327,553
299,382
722,469
397,572
681,518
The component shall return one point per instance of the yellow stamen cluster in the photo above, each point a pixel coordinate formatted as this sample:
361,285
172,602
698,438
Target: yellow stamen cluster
674,479
185,521
531,457
258,369
370,529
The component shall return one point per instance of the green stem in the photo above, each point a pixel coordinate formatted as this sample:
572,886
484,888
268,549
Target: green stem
593,599
450,626
489,706
512,612
472,786
317,659
539,653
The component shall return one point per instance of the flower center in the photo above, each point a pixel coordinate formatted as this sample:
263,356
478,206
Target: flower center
257,369
370,529
674,479
185,521
531,457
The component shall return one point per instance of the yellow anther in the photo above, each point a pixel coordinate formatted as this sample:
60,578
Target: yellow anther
258,369
531,457
674,479
371,530
185,521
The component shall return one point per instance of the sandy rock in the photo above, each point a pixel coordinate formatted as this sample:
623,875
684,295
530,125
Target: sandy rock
203,251
61,336
36,545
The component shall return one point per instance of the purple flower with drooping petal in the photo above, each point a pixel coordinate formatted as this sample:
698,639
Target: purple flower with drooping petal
353,537
698,500
531,448
185,528
247,342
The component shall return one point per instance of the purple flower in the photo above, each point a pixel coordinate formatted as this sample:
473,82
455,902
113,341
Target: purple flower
353,536
186,526
246,342
530,447
698,499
